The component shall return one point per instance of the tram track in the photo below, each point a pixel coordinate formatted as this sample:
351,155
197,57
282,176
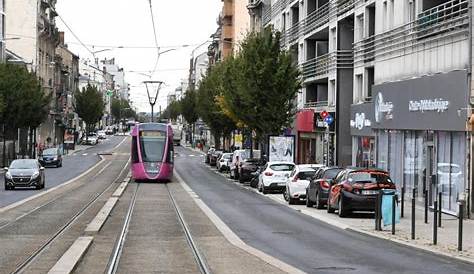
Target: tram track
21,267
113,265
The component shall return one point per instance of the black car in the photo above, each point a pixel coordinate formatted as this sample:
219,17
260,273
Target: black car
318,189
24,173
248,167
51,157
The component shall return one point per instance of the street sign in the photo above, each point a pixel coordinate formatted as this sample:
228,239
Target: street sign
324,114
329,119
110,93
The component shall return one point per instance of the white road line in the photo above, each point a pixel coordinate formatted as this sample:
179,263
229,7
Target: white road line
73,255
96,224
232,237
191,155
100,171
121,189
119,144
6,208
84,154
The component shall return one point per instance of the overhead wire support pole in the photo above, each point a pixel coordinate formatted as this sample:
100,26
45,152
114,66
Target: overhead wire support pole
152,99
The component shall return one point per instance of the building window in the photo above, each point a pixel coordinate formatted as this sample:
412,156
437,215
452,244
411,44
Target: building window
391,17
359,88
384,18
369,83
360,27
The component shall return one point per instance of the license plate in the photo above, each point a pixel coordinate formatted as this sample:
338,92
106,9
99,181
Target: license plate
370,192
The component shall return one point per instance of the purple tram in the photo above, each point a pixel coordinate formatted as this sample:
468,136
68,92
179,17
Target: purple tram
152,152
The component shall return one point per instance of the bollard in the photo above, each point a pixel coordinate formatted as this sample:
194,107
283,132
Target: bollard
435,221
377,212
413,215
402,205
460,217
440,212
394,206
426,205
379,205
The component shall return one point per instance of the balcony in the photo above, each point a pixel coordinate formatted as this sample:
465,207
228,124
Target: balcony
442,18
317,18
253,4
321,66
441,23
318,104
344,5
294,32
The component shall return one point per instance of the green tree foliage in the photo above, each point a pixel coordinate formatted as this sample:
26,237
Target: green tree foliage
188,107
89,106
208,107
261,83
23,102
172,111
121,109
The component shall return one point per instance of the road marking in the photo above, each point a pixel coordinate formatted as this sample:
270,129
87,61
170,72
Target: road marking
119,144
231,236
100,171
191,155
73,255
96,224
16,204
84,154
121,189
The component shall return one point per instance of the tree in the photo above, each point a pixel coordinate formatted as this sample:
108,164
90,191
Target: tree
121,109
172,111
89,106
210,89
261,84
23,104
188,109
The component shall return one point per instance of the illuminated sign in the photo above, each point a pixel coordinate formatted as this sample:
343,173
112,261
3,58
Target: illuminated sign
153,134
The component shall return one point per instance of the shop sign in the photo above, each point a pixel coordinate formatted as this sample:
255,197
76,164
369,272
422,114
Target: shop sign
425,103
438,105
360,122
362,117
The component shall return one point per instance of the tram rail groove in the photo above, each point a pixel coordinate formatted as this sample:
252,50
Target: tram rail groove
27,262
114,260
200,259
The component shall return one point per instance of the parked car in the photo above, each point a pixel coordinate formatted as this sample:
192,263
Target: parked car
312,166
241,155
247,167
223,162
101,134
24,173
274,175
208,155
214,156
297,183
318,188
109,131
91,139
355,189
51,157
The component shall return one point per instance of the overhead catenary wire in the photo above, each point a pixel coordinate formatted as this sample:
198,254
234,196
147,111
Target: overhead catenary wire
156,39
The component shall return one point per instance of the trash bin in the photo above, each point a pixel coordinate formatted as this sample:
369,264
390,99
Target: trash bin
387,203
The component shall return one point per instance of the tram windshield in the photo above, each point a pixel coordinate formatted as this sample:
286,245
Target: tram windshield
152,144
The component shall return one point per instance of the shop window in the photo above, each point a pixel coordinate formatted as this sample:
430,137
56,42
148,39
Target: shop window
395,157
382,150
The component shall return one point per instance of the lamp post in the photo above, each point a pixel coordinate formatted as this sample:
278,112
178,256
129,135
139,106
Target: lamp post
152,99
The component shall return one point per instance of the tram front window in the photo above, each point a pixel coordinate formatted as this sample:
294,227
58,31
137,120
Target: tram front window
152,146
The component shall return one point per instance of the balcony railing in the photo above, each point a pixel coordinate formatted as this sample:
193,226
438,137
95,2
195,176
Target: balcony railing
321,66
294,32
316,104
317,18
344,5
441,23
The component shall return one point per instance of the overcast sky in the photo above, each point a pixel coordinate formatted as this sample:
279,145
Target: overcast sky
128,23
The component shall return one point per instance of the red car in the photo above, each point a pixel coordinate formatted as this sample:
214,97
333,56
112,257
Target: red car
356,189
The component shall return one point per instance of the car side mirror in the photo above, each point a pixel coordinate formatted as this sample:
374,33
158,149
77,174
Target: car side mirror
5,168
42,168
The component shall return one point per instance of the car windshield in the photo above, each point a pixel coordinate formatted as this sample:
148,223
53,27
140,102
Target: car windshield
23,164
50,151
306,175
331,173
282,167
152,147
369,177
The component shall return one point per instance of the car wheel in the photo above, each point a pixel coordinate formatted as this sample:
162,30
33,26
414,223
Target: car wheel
319,205
342,210
264,190
284,195
309,203
259,187
39,186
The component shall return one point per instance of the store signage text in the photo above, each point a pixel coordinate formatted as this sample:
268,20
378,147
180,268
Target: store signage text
382,108
360,122
437,105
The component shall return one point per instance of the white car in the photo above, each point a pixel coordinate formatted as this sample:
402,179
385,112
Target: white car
297,183
101,134
224,162
274,176
91,140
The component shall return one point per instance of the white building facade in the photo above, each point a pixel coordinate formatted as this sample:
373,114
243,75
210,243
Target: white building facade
395,75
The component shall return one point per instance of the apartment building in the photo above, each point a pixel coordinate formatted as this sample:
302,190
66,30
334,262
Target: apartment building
2,30
121,86
395,75
34,25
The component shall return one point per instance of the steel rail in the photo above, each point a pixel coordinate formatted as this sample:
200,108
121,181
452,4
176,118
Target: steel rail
200,260
24,265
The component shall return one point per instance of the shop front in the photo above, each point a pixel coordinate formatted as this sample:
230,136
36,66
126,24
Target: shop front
420,131
363,136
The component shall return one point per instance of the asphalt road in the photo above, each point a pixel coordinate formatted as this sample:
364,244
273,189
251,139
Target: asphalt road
73,165
300,240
